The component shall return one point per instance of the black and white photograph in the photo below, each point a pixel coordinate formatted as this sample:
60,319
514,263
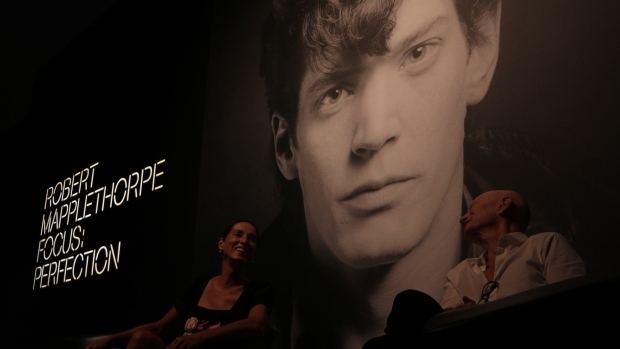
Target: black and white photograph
360,132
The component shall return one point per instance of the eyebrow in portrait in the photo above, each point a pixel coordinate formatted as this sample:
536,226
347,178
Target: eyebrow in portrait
339,75
417,35
349,66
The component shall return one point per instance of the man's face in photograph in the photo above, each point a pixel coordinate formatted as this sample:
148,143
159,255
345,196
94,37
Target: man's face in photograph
379,138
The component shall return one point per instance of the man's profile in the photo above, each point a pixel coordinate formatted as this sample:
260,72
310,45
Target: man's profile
368,101
511,262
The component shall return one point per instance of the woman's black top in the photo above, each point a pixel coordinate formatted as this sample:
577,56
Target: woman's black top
196,318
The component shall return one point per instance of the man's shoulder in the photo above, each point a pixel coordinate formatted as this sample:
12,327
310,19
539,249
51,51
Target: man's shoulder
545,243
544,238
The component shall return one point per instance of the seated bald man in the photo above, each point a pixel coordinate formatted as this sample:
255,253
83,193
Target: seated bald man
512,262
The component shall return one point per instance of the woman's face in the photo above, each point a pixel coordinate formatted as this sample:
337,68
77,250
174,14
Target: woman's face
240,243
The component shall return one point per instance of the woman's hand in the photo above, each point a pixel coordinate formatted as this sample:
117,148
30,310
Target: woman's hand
100,343
186,342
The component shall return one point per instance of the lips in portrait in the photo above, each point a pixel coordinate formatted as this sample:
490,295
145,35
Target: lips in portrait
375,196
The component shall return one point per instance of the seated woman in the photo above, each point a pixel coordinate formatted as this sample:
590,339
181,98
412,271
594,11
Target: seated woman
227,310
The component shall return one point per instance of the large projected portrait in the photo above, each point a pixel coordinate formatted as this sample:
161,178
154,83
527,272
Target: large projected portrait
375,123
367,103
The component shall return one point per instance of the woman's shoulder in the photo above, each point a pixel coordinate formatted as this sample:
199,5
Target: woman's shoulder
259,291
258,284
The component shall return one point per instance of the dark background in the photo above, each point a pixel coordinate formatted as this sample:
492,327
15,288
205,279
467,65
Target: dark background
122,84
125,84
554,111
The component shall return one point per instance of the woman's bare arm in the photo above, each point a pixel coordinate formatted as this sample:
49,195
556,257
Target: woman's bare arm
121,338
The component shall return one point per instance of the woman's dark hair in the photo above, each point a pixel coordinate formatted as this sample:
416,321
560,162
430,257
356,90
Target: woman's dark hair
229,227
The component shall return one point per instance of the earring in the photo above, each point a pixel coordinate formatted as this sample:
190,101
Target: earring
220,251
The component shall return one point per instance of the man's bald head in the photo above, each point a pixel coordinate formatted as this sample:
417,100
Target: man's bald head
517,211
491,207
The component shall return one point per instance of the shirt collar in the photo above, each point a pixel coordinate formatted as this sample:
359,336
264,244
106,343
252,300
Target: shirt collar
515,239
511,239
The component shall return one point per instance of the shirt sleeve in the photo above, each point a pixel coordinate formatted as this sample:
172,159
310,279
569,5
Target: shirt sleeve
262,293
561,261
451,297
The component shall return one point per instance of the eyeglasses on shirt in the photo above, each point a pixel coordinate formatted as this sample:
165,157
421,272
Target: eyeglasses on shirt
487,289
